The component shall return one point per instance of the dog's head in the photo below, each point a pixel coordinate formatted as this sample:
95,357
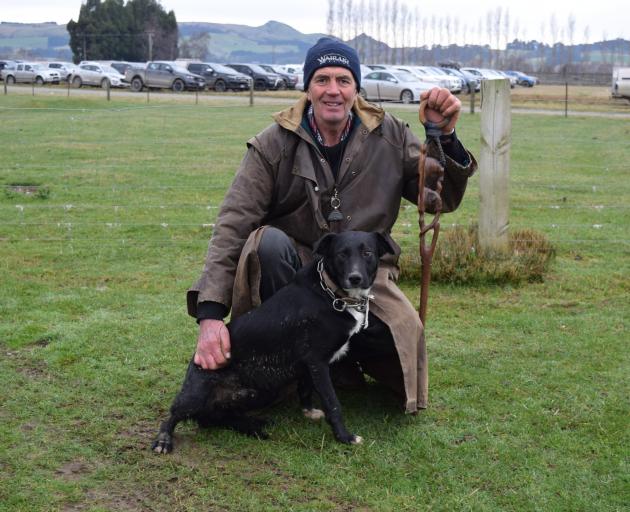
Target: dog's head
351,258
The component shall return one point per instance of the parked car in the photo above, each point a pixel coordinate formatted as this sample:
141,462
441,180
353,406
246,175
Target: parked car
120,65
164,75
522,78
6,64
30,72
456,83
290,79
262,78
392,85
94,73
621,83
298,70
470,81
219,77
511,78
65,69
425,74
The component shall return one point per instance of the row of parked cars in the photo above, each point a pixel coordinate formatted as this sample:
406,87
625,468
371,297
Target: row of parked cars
379,81
178,75
406,83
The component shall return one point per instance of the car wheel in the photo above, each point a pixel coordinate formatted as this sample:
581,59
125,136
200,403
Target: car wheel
219,86
406,96
530,84
105,83
10,80
39,80
178,86
363,93
282,85
77,82
260,85
136,84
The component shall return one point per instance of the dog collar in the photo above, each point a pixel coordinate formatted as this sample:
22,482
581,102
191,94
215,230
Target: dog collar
342,303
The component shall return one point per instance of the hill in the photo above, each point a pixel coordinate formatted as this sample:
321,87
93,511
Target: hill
276,42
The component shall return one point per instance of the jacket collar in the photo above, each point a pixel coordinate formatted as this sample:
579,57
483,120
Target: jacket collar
371,116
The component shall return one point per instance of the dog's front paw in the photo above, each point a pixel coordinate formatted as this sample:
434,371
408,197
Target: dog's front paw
313,414
163,443
350,439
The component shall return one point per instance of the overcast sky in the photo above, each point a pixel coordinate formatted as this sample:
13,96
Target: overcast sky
604,18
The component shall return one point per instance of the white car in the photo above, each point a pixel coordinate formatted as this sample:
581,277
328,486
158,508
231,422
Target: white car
392,85
30,72
65,69
427,74
93,73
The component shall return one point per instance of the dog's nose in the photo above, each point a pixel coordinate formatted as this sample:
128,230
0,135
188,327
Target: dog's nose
355,279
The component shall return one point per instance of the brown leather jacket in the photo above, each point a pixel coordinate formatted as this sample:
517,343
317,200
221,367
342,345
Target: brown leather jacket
285,181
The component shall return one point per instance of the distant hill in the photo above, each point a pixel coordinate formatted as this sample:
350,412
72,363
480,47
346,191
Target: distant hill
272,42
279,43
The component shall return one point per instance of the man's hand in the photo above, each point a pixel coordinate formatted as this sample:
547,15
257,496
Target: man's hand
441,103
213,345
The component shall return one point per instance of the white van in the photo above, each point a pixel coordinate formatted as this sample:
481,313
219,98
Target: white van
621,83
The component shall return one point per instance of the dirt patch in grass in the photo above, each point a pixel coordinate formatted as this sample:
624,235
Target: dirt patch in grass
73,470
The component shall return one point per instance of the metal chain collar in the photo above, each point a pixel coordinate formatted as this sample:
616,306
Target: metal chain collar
342,303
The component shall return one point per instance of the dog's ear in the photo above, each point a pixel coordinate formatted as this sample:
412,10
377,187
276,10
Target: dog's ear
384,244
322,246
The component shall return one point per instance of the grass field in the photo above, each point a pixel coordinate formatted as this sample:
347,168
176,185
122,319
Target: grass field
105,212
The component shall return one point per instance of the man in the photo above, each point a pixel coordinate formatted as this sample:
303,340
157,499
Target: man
332,162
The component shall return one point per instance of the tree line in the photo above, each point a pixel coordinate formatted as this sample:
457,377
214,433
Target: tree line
388,31
139,30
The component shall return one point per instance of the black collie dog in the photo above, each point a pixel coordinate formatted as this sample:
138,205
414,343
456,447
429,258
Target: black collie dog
294,335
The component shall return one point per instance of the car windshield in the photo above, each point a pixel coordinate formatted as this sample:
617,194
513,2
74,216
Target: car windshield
38,66
109,69
257,68
220,68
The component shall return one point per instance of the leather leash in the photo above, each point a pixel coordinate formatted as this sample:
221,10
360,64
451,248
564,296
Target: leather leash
427,249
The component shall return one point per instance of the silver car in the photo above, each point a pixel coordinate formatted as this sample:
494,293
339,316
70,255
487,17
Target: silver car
93,73
29,72
393,85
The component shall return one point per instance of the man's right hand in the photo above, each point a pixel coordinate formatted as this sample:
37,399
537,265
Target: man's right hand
213,345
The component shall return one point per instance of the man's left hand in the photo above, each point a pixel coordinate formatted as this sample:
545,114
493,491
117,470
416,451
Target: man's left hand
441,103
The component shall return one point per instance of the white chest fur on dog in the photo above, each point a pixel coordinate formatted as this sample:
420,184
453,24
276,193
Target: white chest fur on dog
360,324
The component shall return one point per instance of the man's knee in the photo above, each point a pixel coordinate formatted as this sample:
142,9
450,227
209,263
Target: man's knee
279,261
275,245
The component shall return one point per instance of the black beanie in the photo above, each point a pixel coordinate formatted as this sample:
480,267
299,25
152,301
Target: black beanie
331,52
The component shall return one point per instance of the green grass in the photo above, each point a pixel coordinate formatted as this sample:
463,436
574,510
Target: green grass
529,384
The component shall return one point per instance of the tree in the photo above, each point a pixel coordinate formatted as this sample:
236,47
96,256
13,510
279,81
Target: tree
111,30
196,46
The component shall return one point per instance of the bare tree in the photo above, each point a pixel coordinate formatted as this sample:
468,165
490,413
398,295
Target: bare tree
570,36
330,18
404,14
394,30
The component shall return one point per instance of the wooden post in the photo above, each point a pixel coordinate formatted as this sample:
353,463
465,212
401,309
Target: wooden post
494,165
251,92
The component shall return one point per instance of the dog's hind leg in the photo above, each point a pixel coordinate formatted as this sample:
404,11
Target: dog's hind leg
305,393
320,374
